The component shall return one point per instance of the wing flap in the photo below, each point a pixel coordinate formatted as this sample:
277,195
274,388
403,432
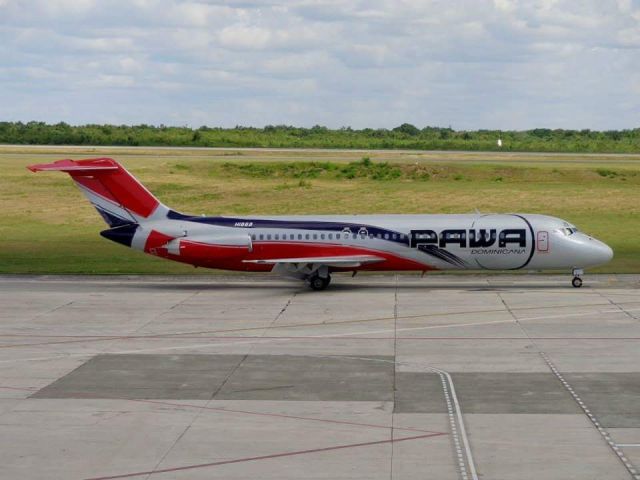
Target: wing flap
343,261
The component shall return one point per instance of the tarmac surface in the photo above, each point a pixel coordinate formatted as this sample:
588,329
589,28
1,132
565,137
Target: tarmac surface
379,377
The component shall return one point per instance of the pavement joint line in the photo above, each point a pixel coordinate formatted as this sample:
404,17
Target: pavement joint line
605,435
172,307
625,311
55,309
263,457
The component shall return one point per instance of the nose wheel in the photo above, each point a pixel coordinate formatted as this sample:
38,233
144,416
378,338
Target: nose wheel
577,280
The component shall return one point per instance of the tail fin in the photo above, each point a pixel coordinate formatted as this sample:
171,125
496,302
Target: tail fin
116,194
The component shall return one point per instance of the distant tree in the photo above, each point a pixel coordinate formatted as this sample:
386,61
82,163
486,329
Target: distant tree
407,129
404,136
319,129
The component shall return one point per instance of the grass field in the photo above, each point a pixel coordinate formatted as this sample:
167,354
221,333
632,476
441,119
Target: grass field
48,227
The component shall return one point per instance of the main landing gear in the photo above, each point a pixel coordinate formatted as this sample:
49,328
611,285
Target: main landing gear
316,282
577,280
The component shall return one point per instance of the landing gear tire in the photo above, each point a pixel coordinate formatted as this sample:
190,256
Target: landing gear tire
577,281
318,283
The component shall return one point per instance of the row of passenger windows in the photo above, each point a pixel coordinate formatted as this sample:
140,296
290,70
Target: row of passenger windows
326,236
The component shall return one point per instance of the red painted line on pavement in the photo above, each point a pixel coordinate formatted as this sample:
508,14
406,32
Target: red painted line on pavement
264,457
98,338
282,415
20,388
82,395
300,337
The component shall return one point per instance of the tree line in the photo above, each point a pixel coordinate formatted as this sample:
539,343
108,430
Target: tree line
405,136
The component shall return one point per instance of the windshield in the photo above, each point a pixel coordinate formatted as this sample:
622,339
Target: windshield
567,231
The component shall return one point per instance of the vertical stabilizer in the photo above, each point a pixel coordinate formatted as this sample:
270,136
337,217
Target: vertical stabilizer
117,195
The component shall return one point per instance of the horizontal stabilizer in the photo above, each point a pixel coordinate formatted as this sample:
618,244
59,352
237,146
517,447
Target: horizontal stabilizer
95,164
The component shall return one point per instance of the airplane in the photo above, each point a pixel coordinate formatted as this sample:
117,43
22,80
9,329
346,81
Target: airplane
312,247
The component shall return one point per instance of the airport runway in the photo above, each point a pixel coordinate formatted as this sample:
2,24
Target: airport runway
379,377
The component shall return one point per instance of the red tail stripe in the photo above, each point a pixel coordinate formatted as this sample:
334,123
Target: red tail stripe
129,192
94,185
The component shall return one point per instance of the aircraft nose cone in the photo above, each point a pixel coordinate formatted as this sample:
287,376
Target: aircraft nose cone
601,253
606,252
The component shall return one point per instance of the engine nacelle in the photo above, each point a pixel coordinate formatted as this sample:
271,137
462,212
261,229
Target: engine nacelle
208,247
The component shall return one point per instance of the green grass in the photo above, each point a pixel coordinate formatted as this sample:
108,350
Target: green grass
48,227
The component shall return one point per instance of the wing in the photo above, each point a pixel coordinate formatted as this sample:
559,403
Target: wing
341,261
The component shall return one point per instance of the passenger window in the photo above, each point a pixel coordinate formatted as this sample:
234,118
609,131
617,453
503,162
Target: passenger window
268,236
299,236
395,236
261,237
427,236
337,236
331,236
315,236
386,236
322,236
307,236
277,237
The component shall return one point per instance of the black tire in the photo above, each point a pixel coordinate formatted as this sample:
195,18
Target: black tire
576,282
317,283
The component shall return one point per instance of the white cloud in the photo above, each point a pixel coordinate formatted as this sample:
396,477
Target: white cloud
243,36
468,63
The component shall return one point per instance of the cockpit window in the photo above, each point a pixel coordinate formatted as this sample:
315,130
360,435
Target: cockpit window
567,231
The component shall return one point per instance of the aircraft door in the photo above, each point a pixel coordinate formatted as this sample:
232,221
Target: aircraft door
501,242
543,242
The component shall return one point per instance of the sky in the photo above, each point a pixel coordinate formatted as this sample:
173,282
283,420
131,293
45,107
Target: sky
468,64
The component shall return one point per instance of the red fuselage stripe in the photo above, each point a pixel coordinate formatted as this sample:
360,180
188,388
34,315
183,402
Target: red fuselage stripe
230,257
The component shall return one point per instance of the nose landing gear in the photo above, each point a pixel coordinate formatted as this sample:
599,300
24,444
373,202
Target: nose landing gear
577,280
